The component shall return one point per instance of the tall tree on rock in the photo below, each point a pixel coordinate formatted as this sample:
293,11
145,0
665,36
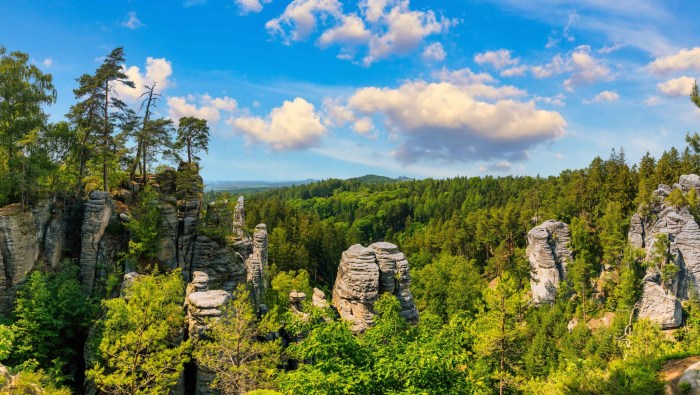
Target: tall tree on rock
154,136
109,75
193,136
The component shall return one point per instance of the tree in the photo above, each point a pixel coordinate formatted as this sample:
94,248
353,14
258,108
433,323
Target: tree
586,264
108,76
192,136
139,348
233,351
154,136
24,90
52,318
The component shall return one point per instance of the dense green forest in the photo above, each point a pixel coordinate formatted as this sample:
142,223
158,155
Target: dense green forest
465,239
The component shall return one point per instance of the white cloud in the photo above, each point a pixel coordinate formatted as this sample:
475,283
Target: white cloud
499,59
446,122
555,37
350,31
385,27
652,101
132,21
293,126
206,107
337,114
248,6
434,53
556,100
586,69
514,71
676,87
158,70
363,125
604,96
557,66
608,49
478,85
685,59
298,20
48,62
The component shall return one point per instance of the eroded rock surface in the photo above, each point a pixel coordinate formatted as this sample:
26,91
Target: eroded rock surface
366,272
660,300
256,265
548,253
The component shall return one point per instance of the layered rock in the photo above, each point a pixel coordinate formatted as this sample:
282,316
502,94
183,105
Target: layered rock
19,251
366,272
256,265
98,212
239,218
202,306
548,253
691,376
660,301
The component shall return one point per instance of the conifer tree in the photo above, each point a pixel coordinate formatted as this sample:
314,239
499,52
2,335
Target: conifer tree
192,136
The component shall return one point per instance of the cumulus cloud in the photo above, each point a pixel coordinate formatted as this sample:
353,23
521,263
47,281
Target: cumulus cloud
680,86
350,31
556,100
434,53
363,125
479,85
157,70
514,71
585,69
444,121
604,96
385,27
499,59
299,18
685,59
132,21
250,6
203,106
293,126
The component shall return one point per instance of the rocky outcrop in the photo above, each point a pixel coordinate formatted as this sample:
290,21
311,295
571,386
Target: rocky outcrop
256,265
202,306
366,272
318,299
19,251
98,212
548,253
691,376
239,218
660,300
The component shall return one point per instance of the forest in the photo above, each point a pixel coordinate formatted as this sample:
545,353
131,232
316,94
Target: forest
465,240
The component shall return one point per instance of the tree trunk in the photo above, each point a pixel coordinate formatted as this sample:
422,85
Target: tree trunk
105,139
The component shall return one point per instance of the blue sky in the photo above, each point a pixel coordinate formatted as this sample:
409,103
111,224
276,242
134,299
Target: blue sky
326,88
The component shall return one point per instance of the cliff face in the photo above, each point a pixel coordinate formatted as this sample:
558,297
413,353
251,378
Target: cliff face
365,273
661,300
28,238
548,253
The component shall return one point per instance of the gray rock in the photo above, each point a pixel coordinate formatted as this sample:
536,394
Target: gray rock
98,211
225,268
689,181
659,306
318,299
19,251
692,377
363,274
548,253
256,265
167,241
239,218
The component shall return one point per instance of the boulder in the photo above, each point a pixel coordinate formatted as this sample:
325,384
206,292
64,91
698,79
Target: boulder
691,376
659,306
548,253
318,299
363,274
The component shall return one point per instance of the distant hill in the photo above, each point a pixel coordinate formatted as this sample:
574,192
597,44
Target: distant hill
374,179
251,186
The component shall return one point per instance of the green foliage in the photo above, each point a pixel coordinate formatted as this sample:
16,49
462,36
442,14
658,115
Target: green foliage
285,282
144,227
192,136
676,198
139,347
29,383
233,352
52,318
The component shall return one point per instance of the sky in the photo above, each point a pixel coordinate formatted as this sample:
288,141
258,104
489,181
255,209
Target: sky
328,88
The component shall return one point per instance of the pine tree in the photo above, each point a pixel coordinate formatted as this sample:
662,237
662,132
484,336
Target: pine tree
192,136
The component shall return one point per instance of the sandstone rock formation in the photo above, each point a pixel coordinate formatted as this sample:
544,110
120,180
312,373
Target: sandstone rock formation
256,265
98,212
661,301
318,299
691,376
548,253
239,218
366,272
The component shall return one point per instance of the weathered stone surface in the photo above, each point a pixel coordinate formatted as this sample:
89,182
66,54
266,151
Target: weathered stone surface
19,251
395,277
256,264
318,299
296,297
660,302
55,235
98,211
548,253
363,274
692,377
225,269
239,218
167,241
